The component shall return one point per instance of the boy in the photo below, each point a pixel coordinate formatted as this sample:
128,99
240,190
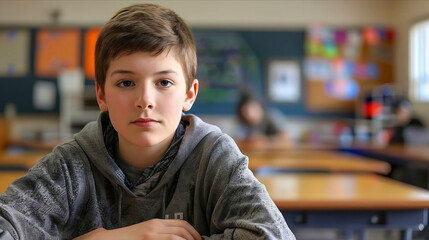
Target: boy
144,170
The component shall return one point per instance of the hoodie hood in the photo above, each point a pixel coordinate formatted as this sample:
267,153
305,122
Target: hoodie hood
196,130
91,140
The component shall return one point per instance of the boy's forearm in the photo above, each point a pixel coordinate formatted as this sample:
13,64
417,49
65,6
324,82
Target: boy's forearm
151,229
99,233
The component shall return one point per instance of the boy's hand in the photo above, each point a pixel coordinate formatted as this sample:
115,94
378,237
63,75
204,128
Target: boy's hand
152,229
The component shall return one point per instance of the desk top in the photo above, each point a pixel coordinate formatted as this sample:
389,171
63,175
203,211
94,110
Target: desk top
316,160
324,191
411,153
264,146
342,191
37,145
25,159
7,177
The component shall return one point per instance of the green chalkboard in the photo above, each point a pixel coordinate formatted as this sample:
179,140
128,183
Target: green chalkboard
225,62
230,60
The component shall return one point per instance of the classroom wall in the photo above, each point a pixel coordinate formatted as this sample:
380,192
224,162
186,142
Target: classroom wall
201,13
291,14
406,13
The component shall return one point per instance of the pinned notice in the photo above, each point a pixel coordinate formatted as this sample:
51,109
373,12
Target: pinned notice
44,94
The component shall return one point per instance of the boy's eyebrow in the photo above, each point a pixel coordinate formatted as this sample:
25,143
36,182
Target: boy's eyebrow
122,71
166,72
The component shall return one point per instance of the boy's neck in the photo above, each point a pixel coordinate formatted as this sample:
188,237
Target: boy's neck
143,157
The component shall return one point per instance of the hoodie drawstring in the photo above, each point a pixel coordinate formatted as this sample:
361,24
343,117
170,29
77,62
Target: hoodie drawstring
164,195
118,188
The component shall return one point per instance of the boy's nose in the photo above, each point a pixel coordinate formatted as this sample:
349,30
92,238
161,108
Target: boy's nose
144,100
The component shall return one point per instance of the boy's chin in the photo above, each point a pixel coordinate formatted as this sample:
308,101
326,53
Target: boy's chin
152,141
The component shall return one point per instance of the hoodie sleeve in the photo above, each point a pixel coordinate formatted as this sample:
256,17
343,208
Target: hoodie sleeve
37,205
238,204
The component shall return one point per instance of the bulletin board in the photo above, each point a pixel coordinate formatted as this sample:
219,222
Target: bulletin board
229,60
341,68
91,36
57,50
15,52
29,76
225,63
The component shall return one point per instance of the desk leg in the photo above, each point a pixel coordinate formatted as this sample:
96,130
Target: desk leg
407,234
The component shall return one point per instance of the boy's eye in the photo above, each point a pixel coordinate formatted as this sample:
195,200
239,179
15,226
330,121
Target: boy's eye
165,83
125,84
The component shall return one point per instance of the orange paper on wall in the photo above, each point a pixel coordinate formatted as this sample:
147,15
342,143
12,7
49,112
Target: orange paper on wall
89,58
57,50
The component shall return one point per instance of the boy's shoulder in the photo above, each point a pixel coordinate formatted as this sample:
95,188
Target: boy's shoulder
203,137
214,144
65,157
68,151
197,129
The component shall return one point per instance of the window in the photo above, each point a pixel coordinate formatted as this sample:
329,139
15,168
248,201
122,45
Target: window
419,61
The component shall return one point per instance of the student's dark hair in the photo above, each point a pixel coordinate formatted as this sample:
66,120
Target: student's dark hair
146,28
401,103
247,96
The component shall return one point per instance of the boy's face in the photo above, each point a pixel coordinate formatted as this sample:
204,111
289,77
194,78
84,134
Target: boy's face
145,96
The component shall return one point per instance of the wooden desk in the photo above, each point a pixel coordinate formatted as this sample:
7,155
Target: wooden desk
280,146
37,145
348,201
7,177
315,161
400,154
410,164
24,159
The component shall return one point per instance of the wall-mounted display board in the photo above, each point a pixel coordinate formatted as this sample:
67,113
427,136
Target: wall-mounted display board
283,81
225,63
14,52
57,50
30,79
91,36
230,60
341,64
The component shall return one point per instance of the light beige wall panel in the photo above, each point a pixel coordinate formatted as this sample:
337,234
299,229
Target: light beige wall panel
245,14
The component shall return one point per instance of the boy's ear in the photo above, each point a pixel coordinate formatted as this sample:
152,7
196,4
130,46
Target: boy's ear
191,95
100,98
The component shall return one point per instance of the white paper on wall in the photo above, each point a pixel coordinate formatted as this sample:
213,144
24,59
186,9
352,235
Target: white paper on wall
71,81
44,94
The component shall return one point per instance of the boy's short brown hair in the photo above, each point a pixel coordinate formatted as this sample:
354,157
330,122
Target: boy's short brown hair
147,28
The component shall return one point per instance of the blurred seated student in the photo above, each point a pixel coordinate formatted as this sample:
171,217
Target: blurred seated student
406,123
258,124
404,120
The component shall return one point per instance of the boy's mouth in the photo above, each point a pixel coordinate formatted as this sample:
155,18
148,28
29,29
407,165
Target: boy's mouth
144,122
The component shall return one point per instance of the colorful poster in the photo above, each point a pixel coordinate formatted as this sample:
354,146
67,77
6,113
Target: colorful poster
90,40
56,50
14,52
345,89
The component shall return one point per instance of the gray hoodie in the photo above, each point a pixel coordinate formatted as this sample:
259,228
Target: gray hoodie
79,187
